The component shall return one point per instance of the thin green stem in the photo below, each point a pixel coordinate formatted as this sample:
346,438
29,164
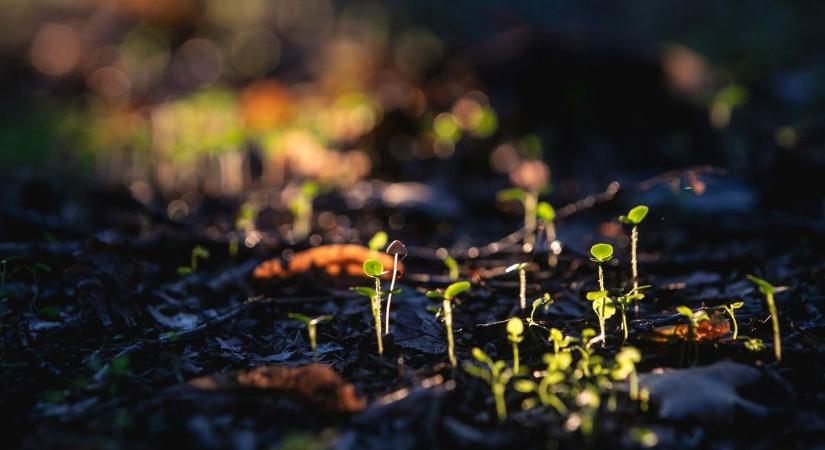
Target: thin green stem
624,325
312,330
522,289
447,309
515,358
777,339
376,314
501,406
634,238
389,295
531,200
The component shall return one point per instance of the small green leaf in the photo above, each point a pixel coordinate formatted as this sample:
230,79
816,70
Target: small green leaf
184,270
609,308
378,241
455,289
737,305
373,268
515,328
365,291
511,194
764,287
480,356
636,215
685,311
435,294
310,189
524,386
546,212
452,267
601,252
299,316
596,295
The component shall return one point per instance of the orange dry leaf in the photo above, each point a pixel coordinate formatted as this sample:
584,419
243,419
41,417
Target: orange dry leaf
334,260
314,384
707,330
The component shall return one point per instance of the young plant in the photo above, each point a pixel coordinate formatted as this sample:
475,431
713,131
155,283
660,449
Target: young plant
547,214
447,296
378,241
634,217
543,301
731,312
694,318
374,269
301,208
198,253
604,308
768,290
452,267
312,327
559,340
602,304
396,249
625,367
515,334
496,374
623,302
522,280
558,368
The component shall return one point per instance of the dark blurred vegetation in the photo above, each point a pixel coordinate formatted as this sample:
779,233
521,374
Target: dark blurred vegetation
223,97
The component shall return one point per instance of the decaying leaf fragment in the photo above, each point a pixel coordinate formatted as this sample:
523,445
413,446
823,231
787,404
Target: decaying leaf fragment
315,384
334,260
706,330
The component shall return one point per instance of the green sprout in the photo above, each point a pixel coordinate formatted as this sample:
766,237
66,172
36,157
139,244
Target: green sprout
378,241
546,390
602,304
301,208
450,263
604,308
547,214
754,344
515,334
496,374
731,312
447,297
560,340
312,327
396,249
634,217
374,269
198,253
769,290
623,302
529,201
625,367
543,301
694,318
522,280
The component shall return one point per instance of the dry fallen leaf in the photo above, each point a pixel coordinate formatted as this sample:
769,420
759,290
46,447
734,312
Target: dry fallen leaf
334,260
707,330
315,384
704,393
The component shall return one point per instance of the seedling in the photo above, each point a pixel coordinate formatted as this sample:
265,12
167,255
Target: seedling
452,266
547,214
301,208
731,311
374,269
529,201
604,308
625,367
755,345
543,301
769,290
496,374
378,241
634,217
396,249
559,340
693,323
515,334
312,327
522,280
447,297
198,253
602,304
623,302
558,366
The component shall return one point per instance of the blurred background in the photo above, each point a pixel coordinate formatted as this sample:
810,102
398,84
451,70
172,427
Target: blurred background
427,101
